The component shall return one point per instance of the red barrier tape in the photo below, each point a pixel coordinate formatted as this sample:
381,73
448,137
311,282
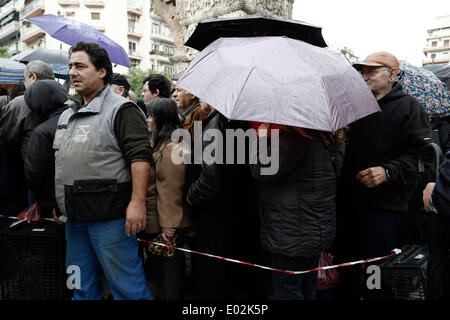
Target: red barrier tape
393,253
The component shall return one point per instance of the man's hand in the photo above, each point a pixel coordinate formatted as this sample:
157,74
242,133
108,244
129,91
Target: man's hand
427,195
136,217
55,217
372,177
137,211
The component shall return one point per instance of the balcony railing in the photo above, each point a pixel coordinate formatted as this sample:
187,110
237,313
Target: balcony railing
161,37
134,32
64,3
439,48
136,55
134,6
31,33
32,9
94,3
161,53
435,61
9,29
7,9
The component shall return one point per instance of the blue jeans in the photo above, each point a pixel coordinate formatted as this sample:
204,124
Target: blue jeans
298,286
104,245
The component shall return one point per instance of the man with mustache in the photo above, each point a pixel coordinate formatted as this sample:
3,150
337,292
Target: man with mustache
102,167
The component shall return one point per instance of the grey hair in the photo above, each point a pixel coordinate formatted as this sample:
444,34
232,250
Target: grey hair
42,70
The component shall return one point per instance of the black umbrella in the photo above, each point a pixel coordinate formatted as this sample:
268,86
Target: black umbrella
253,26
58,59
444,75
443,72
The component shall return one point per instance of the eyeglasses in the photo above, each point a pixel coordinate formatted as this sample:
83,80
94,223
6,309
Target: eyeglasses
371,72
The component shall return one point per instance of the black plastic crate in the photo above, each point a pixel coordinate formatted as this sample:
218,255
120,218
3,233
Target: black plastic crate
406,272
33,262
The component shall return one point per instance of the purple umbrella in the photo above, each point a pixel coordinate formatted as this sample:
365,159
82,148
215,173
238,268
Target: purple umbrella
71,31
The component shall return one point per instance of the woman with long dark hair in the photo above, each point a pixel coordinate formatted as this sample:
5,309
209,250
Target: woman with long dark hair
167,212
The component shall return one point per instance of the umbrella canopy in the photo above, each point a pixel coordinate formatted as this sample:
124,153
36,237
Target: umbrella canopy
251,26
11,72
177,76
279,80
57,59
423,85
443,73
71,31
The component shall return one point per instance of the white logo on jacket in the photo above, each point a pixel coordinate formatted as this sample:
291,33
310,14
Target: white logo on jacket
81,135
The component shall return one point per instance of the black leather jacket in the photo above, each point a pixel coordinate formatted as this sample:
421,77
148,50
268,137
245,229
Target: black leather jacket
298,203
211,181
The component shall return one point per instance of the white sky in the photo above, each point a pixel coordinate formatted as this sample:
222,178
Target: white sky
397,26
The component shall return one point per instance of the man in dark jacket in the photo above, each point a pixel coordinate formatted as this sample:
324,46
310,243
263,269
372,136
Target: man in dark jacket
217,193
436,200
207,196
436,196
380,168
46,98
298,209
16,123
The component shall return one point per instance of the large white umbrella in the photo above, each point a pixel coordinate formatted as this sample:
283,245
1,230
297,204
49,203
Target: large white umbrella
279,80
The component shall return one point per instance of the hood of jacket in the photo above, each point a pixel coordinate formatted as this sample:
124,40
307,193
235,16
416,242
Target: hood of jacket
46,97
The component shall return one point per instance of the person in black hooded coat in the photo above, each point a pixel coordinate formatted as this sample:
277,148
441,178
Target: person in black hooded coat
46,98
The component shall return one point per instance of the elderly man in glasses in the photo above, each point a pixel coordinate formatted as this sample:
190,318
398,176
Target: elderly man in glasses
380,170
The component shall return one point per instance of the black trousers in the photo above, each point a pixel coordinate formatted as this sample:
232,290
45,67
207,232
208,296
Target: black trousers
371,232
166,274
211,275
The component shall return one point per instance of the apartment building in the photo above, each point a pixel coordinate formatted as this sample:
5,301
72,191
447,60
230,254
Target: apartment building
10,25
130,23
438,44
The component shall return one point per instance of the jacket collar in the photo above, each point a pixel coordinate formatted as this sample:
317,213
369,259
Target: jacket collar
94,106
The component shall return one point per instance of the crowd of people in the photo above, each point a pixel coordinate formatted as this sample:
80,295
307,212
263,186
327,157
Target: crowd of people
101,163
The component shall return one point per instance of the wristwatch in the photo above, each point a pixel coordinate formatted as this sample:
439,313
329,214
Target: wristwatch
388,176
432,208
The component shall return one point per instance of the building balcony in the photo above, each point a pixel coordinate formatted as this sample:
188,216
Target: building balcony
13,49
160,53
8,16
153,16
436,49
66,3
31,33
132,32
33,9
159,57
134,55
7,9
7,31
94,4
435,61
160,37
134,7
